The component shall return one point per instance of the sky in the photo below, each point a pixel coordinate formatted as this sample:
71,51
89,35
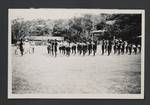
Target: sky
53,14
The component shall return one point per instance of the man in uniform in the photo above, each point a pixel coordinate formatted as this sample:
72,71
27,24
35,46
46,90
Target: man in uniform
115,46
103,46
48,47
135,48
64,48
106,45
130,49
60,47
73,48
68,49
123,47
139,48
55,47
119,46
109,47
21,47
90,47
84,48
79,48
94,47
52,47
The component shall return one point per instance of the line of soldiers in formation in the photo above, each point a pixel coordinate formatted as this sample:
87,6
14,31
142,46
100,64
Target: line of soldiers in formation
67,48
90,48
120,47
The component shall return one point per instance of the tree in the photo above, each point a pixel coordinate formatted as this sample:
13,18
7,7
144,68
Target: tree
19,29
128,26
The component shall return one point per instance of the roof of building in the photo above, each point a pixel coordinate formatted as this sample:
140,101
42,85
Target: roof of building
44,38
97,31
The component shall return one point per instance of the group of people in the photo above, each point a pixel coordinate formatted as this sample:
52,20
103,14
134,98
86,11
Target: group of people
67,48
90,47
81,48
24,47
120,47
52,47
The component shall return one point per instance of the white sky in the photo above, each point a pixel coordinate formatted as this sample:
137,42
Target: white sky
30,14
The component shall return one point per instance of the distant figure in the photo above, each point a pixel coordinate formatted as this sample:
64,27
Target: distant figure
84,48
68,49
139,48
135,49
60,47
122,47
52,47
55,47
73,48
64,48
79,48
32,47
115,47
27,46
49,47
103,47
94,48
118,48
90,47
106,45
109,47
17,48
126,47
130,49
21,47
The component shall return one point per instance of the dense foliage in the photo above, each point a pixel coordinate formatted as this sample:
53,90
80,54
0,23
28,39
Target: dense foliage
124,26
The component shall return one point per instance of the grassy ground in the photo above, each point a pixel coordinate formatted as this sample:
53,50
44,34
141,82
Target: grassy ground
41,73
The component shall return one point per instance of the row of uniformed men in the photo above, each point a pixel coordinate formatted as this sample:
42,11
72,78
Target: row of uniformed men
82,48
67,48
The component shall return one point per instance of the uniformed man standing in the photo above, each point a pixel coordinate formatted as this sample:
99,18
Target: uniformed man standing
64,47
55,47
60,47
94,48
84,48
48,48
115,47
123,47
127,48
109,47
21,47
74,48
106,45
68,49
90,47
130,49
119,47
139,48
103,46
52,45
135,48
79,47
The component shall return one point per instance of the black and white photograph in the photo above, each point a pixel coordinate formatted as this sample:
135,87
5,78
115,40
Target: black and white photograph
56,53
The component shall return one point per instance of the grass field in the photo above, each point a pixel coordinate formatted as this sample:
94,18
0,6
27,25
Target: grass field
42,73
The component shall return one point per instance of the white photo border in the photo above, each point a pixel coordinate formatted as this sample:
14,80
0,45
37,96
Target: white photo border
81,96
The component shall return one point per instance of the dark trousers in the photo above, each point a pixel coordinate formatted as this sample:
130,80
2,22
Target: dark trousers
21,50
102,49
